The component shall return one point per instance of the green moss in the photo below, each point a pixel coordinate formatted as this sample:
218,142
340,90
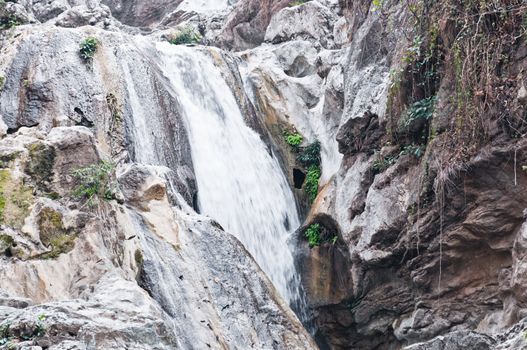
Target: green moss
53,234
138,256
15,200
2,82
7,158
185,36
6,242
40,165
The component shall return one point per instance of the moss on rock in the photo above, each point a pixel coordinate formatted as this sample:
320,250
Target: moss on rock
15,200
6,242
53,234
40,165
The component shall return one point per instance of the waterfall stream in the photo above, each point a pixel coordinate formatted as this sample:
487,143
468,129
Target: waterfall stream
240,182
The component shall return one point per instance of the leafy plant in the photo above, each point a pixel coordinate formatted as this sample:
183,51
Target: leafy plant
9,22
4,334
185,36
310,155
312,182
313,235
380,165
96,182
414,150
88,48
293,139
423,109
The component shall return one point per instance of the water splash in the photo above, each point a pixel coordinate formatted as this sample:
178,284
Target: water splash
240,182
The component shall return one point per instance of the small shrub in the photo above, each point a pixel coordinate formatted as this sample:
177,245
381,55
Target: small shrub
413,150
310,155
313,235
185,36
423,109
88,48
312,182
380,165
97,181
9,22
293,139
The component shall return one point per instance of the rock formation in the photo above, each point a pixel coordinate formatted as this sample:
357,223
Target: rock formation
419,108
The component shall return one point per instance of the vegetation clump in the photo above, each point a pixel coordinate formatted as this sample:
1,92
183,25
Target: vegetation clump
313,235
10,337
96,182
312,182
316,234
420,110
293,139
40,165
6,242
15,200
185,36
310,155
88,48
53,234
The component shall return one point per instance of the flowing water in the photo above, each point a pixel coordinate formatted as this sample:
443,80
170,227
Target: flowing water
240,182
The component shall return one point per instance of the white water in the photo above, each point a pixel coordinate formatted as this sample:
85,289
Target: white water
240,183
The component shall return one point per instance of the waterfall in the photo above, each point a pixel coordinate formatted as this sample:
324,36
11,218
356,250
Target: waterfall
240,182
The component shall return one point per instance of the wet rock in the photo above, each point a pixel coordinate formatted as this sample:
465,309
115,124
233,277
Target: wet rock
310,21
245,27
455,341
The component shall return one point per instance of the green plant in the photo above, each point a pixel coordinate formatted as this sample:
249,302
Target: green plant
293,139
2,82
413,150
312,182
310,155
377,4
4,334
380,165
313,235
186,35
9,22
88,48
423,109
96,182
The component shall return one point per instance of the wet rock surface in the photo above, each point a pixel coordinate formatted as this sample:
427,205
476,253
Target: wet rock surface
133,267
419,255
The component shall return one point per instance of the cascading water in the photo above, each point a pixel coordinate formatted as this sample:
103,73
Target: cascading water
240,182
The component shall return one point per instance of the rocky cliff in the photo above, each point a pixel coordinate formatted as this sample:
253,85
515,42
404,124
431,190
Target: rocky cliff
415,237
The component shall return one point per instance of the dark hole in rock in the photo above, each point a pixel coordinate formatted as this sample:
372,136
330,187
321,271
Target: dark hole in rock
298,178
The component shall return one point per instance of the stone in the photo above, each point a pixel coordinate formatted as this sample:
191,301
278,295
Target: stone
309,21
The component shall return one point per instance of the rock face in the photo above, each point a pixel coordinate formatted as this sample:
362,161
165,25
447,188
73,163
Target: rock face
99,245
421,119
431,234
